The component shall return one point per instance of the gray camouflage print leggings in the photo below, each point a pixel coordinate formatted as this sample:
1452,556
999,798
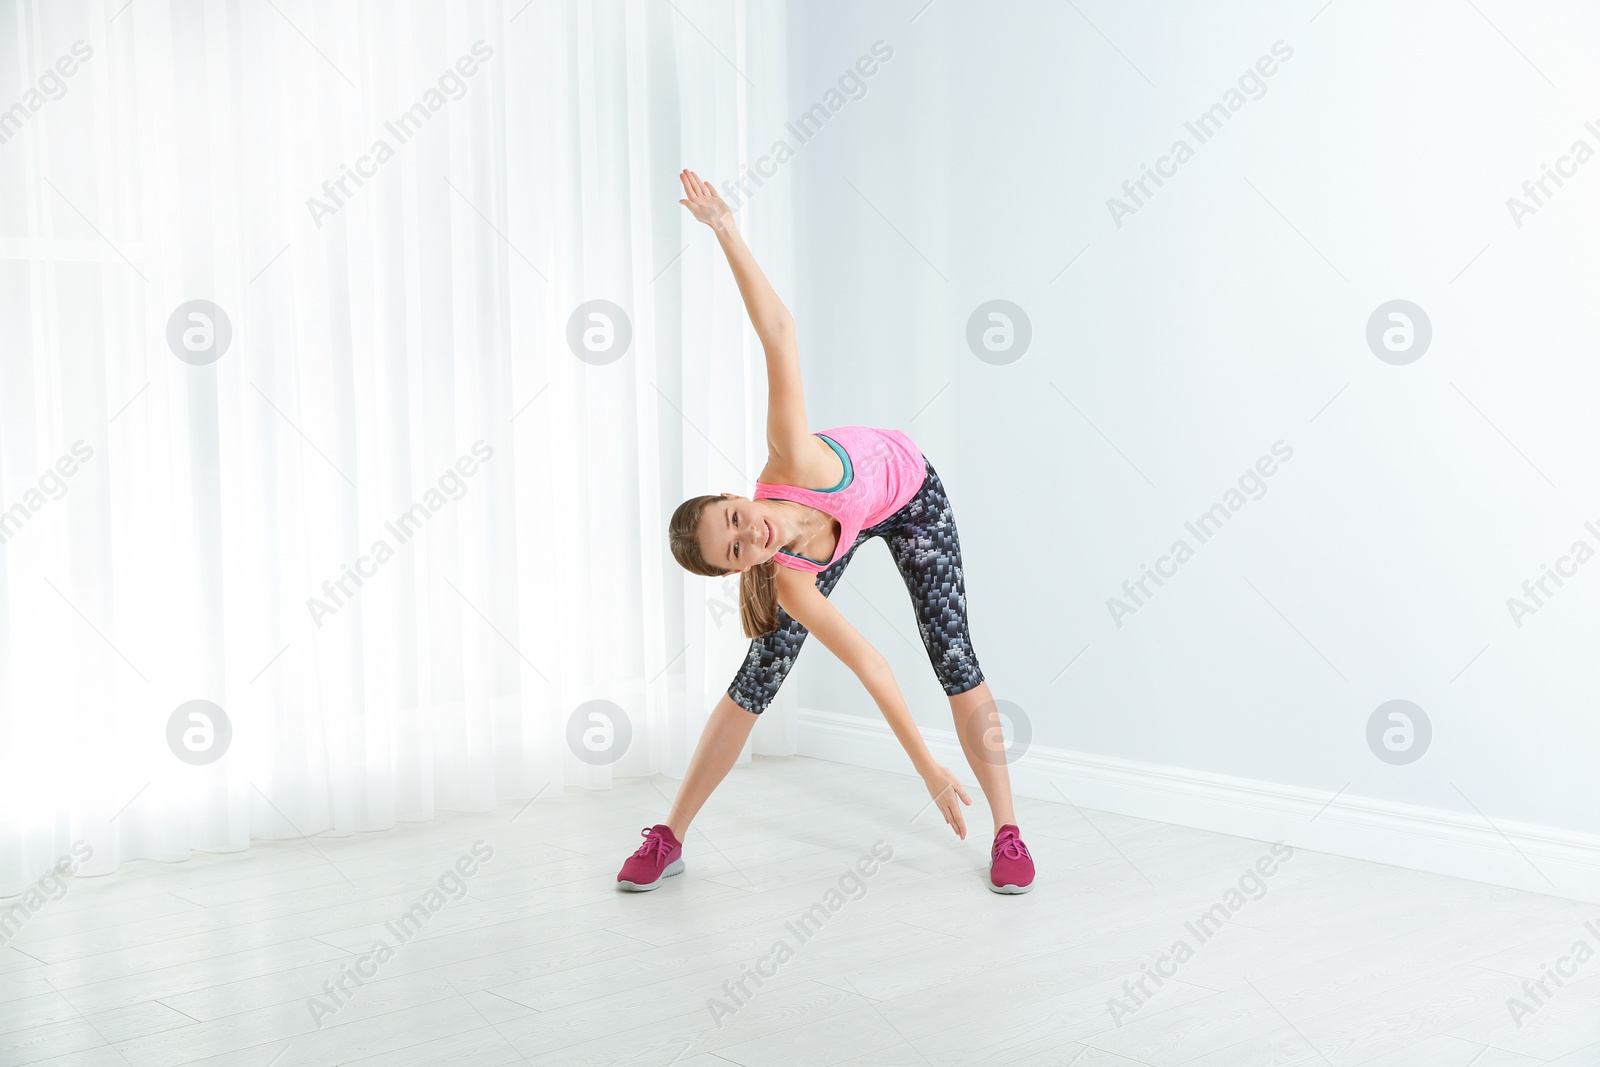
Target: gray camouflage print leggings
922,540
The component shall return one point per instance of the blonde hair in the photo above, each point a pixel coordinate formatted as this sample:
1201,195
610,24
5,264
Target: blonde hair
758,590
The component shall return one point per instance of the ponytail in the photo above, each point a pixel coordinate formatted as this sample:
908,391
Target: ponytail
758,599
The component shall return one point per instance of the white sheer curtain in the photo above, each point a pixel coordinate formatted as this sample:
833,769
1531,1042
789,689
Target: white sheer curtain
398,404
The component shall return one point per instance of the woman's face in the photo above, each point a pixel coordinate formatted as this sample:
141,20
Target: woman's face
738,533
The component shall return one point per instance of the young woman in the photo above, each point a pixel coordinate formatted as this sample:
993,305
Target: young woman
820,496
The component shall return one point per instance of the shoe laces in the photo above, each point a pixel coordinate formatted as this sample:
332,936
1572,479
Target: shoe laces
655,845
1008,844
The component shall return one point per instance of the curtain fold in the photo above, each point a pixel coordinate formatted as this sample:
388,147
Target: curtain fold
299,282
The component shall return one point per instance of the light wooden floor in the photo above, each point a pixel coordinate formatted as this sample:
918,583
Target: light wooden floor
1339,962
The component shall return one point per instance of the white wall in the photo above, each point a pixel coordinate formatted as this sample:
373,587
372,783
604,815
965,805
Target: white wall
1204,329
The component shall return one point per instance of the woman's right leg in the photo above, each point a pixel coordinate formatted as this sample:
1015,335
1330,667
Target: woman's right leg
720,744
766,665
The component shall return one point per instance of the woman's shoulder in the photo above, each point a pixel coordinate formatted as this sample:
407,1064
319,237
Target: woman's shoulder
811,467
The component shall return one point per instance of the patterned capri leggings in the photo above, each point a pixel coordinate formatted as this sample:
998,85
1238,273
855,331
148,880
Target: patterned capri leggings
922,539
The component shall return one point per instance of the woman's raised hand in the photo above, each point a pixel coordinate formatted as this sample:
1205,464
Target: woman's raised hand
702,200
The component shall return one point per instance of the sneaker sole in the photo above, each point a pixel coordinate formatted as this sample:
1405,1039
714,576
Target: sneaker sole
675,867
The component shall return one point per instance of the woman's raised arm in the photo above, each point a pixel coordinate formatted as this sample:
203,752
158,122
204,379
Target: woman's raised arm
787,433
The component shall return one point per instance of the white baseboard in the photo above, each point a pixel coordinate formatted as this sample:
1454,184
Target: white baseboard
1538,859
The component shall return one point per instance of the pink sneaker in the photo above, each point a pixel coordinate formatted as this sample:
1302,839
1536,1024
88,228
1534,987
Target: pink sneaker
1010,866
659,857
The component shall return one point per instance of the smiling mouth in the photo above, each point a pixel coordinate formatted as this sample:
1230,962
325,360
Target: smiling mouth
769,533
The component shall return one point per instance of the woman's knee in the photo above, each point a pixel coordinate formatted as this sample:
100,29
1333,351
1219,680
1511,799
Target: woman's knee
958,670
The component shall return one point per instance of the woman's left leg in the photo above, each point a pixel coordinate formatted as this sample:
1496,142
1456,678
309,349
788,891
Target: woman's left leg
927,551
983,740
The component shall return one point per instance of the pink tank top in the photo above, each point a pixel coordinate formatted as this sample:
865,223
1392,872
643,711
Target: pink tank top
883,470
